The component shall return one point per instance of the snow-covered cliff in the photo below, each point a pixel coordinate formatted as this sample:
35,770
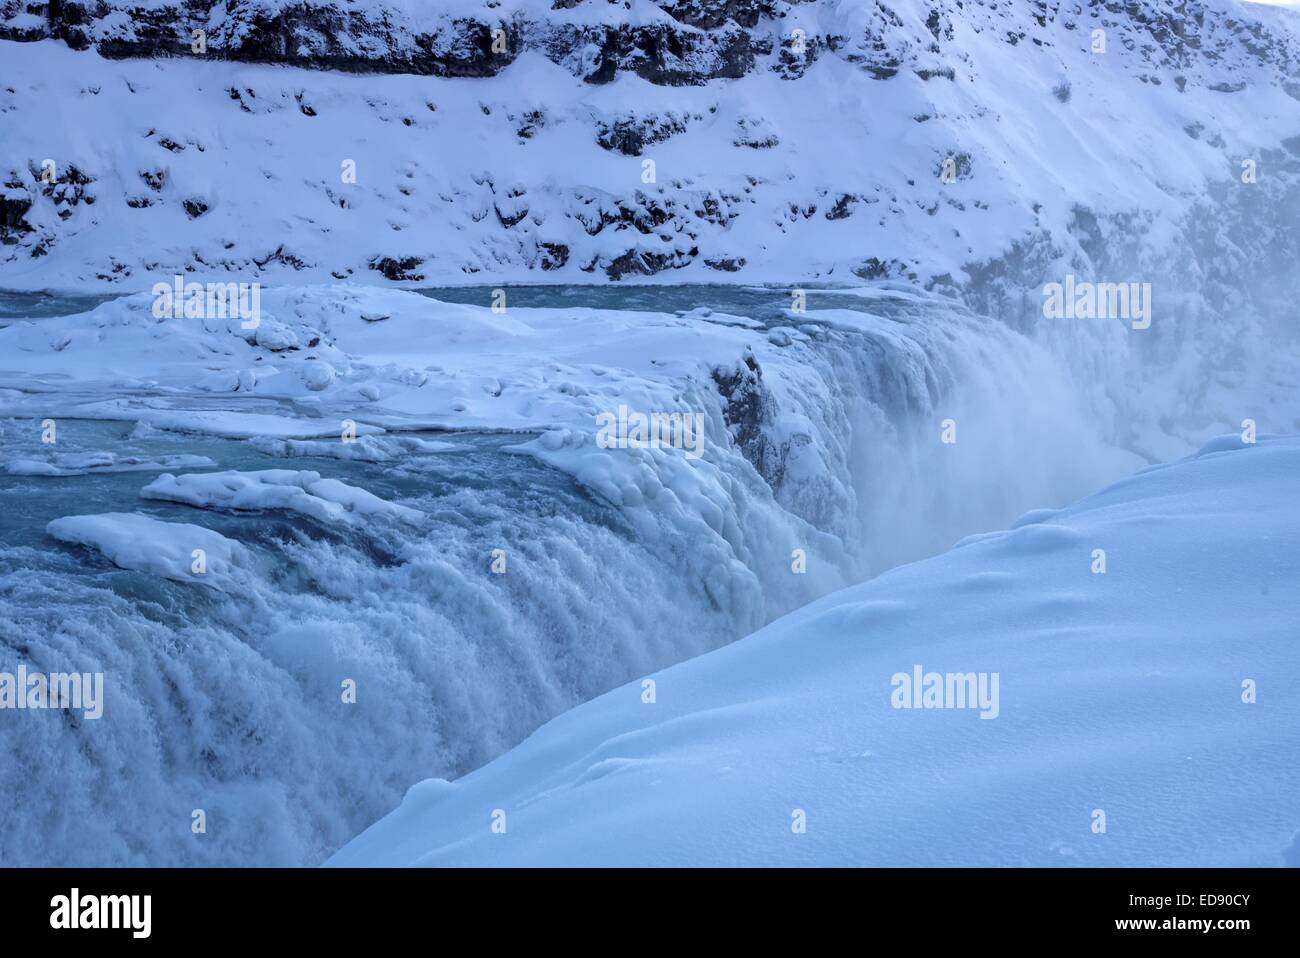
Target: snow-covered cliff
978,146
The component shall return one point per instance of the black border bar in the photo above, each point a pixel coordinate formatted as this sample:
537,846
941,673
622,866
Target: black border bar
436,906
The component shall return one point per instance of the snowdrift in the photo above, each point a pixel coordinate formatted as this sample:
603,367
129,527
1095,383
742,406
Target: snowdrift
1147,714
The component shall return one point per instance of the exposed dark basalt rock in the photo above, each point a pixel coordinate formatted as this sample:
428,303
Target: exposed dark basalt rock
959,169
280,255
154,179
63,190
398,269
655,52
843,207
319,37
717,208
874,268
13,212
645,213
710,14
528,124
511,208
374,40
637,262
554,255
748,407
702,40
630,135
35,200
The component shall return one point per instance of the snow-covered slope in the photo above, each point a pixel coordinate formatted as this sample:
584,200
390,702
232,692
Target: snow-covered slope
769,164
1147,715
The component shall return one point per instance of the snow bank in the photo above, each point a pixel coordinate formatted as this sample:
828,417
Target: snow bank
326,500
1144,715
174,550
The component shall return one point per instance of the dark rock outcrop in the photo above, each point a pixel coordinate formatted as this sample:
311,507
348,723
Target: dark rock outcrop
398,269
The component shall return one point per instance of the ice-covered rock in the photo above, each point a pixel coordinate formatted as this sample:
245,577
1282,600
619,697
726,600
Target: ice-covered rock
326,500
173,550
82,464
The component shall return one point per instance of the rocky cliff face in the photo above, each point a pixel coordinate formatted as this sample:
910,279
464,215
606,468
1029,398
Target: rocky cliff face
963,144
669,42
672,43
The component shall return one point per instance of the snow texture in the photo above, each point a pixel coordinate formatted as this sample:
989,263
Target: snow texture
144,544
770,164
1121,692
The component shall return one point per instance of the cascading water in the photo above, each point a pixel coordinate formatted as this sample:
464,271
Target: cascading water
229,701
